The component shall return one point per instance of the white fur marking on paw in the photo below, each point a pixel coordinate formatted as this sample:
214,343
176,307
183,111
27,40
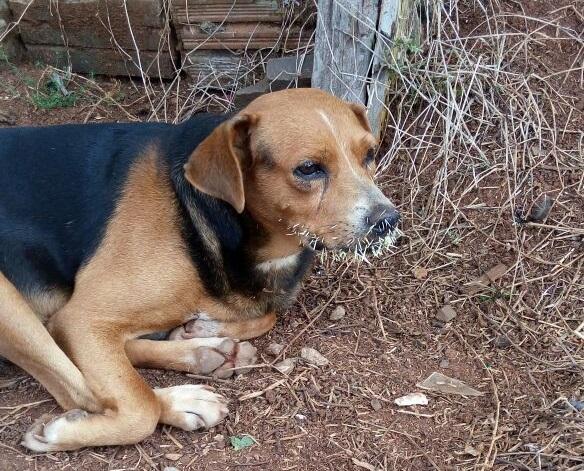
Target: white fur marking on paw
192,406
43,437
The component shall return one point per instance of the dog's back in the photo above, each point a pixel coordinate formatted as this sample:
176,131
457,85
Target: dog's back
59,188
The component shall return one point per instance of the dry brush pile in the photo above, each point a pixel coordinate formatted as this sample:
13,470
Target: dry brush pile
485,152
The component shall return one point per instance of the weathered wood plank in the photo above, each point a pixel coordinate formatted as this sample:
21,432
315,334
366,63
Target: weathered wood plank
90,23
228,12
90,34
399,27
213,68
239,36
83,12
345,35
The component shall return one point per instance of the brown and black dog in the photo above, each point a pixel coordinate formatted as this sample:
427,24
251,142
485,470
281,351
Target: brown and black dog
111,232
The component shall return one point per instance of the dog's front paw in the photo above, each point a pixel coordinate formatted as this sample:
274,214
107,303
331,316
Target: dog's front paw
237,356
191,407
47,432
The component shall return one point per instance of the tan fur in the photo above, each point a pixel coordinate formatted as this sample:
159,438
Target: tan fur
292,137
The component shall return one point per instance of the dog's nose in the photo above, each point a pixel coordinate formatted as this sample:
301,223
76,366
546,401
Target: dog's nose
386,221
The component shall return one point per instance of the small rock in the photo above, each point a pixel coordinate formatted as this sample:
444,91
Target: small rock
169,468
313,356
502,341
7,117
541,209
274,349
173,456
286,366
446,313
496,272
375,404
300,416
270,395
437,323
442,383
413,399
337,314
485,280
289,68
420,273
444,363
469,450
576,404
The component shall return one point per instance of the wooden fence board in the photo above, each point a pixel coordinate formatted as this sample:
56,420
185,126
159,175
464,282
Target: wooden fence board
345,34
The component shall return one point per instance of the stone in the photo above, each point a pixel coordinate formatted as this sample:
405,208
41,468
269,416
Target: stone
444,384
412,399
244,96
496,272
274,349
446,313
420,273
502,341
286,366
102,61
541,208
173,456
444,363
11,47
376,404
313,356
337,314
270,396
291,68
7,118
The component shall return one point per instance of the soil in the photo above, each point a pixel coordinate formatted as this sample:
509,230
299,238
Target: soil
515,341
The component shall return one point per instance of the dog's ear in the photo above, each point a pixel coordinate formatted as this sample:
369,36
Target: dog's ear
361,113
215,166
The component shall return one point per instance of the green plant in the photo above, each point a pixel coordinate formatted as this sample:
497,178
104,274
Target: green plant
50,96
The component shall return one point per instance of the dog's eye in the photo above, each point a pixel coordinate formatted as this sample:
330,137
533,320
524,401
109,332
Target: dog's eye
369,158
309,170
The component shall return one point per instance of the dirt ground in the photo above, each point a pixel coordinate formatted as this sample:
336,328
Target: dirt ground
519,340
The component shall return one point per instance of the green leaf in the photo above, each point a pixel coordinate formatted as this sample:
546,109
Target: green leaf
239,443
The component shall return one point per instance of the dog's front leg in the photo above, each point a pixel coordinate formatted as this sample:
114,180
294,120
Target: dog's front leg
219,356
131,408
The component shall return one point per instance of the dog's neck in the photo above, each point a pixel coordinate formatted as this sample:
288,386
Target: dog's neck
235,255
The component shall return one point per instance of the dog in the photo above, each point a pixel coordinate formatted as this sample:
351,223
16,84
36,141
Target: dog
110,232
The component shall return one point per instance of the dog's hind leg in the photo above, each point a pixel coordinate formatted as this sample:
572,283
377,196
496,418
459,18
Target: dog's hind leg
25,341
206,326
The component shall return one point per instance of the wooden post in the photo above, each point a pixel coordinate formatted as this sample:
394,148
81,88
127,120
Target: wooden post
345,35
399,31
357,43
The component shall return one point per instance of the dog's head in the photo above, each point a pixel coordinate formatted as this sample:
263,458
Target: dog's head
299,161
